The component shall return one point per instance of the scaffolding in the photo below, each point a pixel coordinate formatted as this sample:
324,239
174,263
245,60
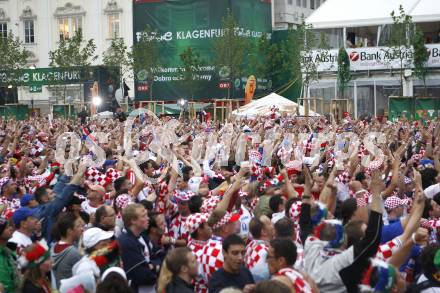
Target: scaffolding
224,108
153,106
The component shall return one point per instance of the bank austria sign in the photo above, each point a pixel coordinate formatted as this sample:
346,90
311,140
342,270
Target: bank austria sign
370,58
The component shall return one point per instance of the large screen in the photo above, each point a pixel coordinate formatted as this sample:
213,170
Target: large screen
195,23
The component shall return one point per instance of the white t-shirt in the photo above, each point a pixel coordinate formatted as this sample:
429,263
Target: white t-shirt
432,190
21,240
429,290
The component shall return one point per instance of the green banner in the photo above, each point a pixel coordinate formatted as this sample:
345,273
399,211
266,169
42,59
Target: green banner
195,23
400,107
20,112
426,108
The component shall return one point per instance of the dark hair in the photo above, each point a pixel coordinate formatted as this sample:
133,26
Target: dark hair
185,173
274,203
353,232
195,234
427,208
428,177
427,260
436,198
39,193
147,164
284,248
113,283
195,203
99,214
348,208
176,259
118,183
360,176
148,205
272,286
65,221
256,227
233,239
284,228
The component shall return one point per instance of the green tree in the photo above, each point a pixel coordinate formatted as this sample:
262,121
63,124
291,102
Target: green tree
420,57
229,50
145,58
307,46
74,52
344,74
14,55
189,71
268,59
400,41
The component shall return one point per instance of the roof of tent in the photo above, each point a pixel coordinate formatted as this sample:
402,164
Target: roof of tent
356,13
426,11
262,106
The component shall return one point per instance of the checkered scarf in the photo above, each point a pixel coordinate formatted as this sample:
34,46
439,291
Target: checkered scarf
298,282
387,249
256,253
223,221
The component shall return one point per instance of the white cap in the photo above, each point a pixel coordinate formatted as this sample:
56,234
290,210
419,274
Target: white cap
194,184
117,270
93,235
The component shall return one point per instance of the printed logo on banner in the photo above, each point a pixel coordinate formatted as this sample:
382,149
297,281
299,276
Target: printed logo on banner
354,56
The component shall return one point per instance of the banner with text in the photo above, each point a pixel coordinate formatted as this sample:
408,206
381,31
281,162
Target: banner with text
371,58
195,23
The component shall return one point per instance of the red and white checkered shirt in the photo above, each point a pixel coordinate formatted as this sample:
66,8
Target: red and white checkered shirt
298,283
211,258
177,228
387,249
256,259
195,245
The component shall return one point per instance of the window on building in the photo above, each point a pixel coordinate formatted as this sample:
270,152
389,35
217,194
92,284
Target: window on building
113,25
29,34
312,4
290,2
304,4
3,30
67,26
298,3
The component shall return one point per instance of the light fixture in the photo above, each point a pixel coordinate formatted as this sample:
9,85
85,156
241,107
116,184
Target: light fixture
32,66
182,102
96,101
10,86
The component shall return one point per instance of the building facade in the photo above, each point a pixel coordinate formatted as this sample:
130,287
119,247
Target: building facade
376,84
41,24
289,13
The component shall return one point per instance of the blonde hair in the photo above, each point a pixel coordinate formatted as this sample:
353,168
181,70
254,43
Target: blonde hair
129,213
165,277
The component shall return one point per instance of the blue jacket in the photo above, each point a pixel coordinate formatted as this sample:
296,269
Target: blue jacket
49,211
135,265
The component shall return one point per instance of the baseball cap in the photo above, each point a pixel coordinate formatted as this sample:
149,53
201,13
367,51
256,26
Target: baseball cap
96,187
22,214
93,235
24,201
393,202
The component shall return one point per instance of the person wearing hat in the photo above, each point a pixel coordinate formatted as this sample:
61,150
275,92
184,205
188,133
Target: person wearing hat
394,207
29,201
94,239
95,198
223,224
26,223
36,260
178,232
9,276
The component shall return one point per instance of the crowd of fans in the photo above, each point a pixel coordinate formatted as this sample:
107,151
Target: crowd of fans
273,203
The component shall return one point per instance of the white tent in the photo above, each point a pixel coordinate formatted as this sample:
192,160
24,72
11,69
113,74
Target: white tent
262,106
426,11
357,13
